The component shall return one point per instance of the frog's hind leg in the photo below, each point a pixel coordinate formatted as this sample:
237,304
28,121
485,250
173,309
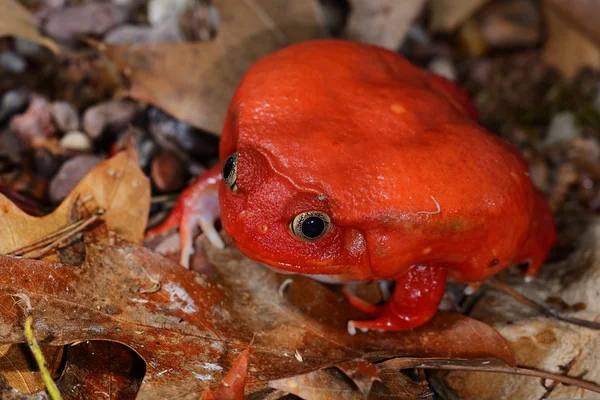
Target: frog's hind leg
541,239
414,302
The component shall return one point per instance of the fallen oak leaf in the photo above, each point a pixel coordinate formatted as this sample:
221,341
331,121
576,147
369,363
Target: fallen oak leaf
16,20
210,319
194,82
101,369
234,383
568,47
117,185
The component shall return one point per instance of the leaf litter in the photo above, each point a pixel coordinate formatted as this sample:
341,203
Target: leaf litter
572,35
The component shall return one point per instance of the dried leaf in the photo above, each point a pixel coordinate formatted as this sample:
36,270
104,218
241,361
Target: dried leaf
16,364
397,386
324,384
210,319
101,369
117,185
362,373
567,47
194,82
447,15
234,383
584,14
16,20
382,22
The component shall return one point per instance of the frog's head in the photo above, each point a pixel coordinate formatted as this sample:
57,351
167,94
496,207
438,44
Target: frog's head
273,221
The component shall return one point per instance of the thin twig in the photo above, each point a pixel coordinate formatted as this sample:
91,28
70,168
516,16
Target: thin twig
164,198
549,312
36,349
490,365
42,242
521,371
42,246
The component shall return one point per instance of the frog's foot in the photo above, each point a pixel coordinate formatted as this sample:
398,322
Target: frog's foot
198,205
414,302
360,304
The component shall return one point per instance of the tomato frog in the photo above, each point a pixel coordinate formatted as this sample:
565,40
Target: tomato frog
345,160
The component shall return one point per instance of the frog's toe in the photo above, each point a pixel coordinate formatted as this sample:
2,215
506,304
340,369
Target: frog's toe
360,304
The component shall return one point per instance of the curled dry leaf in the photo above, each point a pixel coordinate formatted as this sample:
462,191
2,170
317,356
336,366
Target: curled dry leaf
233,384
16,20
194,82
447,15
193,328
568,48
117,185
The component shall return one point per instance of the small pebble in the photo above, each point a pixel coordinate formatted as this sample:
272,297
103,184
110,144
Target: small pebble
563,129
161,10
11,148
109,116
180,137
35,122
12,62
168,172
13,102
46,163
76,141
146,150
443,67
64,116
69,175
26,47
70,23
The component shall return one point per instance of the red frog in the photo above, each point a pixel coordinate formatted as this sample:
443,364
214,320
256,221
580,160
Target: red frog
344,159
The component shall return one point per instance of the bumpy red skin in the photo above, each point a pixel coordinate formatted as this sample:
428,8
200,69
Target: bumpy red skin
417,191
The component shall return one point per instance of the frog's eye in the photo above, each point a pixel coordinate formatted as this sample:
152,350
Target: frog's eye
230,171
310,225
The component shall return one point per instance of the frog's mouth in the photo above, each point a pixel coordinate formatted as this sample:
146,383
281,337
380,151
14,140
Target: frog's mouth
334,274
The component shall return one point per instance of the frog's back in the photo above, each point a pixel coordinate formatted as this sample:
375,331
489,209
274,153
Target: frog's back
395,150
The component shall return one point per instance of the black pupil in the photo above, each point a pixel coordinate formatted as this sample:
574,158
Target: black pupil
312,227
228,167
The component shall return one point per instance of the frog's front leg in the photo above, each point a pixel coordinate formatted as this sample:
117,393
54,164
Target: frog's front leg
198,205
414,302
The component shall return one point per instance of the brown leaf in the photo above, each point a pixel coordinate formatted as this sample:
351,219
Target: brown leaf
362,373
382,22
447,15
191,330
101,369
234,383
324,384
395,385
194,82
16,20
17,363
583,13
117,185
567,47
